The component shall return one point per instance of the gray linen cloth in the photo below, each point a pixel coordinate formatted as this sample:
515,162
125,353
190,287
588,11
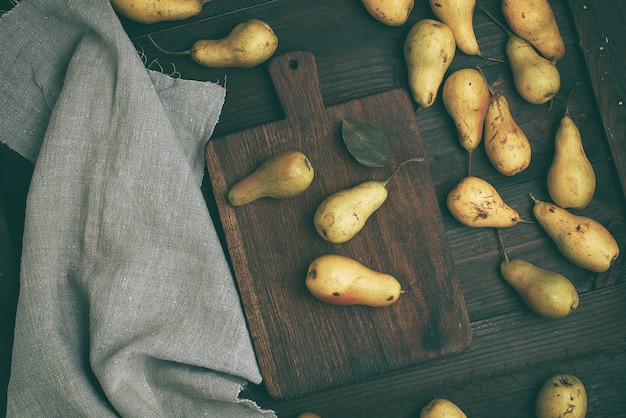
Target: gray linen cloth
127,305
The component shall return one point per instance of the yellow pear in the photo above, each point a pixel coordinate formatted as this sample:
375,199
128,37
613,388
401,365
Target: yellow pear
283,175
152,11
476,203
341,280
545,292
459,16
344,213
571,180
562,395
389,12
582,240
429,49
506,145
536,78
308,415
534,21
441,408
465,95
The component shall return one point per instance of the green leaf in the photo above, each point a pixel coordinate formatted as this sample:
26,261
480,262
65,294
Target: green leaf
367,144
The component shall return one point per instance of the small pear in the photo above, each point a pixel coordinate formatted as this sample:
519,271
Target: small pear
459,16
534,21
536,78
341,280
429,49
545,292
505,143
562,395
466,98
283,175
582,240
476,203
571,180
389,12
441,408
344,213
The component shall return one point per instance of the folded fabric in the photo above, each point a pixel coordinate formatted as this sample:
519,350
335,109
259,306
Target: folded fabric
127,304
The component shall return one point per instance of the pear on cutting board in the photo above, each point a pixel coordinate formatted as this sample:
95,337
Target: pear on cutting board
341,215
534,21
429,49
341,280
466,96
283,175
571,180
476,203
459,16
545,292
536,78
506,144
582,240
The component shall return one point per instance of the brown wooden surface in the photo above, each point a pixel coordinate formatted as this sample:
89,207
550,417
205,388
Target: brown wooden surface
304,345
513,351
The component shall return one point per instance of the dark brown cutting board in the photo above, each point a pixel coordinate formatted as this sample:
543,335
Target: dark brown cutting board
302,344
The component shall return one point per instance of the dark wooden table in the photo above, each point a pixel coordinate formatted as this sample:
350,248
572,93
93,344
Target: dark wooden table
513,350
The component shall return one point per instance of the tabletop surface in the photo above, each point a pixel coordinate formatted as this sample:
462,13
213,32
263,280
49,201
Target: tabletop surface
513,350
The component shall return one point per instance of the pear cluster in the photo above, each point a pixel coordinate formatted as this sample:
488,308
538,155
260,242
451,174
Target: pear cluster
482,115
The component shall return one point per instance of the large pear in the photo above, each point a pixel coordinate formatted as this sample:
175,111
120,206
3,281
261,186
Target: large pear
459,16
582,240
476,203
466,98
571,180
505,142
429,49
534,21
545,292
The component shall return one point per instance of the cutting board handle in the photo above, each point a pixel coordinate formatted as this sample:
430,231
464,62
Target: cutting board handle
296,81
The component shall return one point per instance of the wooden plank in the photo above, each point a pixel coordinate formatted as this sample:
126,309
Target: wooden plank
303,344
476,377
603,44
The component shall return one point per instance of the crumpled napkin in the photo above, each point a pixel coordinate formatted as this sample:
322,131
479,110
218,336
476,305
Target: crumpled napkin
127,305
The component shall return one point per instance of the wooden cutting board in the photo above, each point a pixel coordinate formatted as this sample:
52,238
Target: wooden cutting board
302,344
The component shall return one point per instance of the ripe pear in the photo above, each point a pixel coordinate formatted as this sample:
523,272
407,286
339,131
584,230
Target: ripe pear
571,179
466,98
389,12
534,21
582,240
459,16
442,408
476,203
545,292
283,175
429,49
506,145
341,280
152,11
344,213
562,395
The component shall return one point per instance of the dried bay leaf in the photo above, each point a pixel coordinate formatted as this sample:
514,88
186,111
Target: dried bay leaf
367,144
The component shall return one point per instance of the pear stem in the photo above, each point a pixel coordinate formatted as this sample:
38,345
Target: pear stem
497,22
480,70
164,51
410,160
505,256
569,94
469,162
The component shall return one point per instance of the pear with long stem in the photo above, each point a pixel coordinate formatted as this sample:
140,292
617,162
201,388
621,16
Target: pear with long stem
344,213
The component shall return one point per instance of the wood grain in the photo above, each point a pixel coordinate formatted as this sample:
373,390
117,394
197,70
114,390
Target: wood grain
302,344
603,44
